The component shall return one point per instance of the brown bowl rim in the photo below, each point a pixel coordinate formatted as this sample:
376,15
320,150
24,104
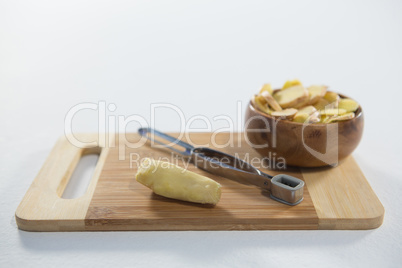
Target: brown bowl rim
359,113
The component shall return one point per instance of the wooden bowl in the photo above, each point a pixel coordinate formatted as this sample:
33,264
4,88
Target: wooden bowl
297,144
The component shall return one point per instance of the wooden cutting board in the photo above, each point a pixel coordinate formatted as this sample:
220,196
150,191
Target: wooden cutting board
334,198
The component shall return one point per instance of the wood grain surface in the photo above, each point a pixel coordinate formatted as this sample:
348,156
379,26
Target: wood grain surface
334,198
42,208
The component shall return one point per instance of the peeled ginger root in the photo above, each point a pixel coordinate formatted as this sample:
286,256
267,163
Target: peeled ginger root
172,181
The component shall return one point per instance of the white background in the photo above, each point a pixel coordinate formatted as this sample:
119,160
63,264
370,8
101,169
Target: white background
203,56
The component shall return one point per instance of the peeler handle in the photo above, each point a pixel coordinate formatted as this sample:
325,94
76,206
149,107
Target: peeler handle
151,135
231,167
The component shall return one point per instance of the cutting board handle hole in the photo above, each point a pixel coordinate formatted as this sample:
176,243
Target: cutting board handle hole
82,175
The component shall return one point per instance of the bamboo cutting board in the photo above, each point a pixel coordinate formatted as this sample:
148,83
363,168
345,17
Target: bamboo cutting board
334,198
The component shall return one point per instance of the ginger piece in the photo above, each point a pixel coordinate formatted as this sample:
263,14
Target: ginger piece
261,104
316,93
314,118
333,111
343,117
302,104
172,181
331,97
291,83
292,96
266,88
321,104
348,104
301,117
308,109
287,113
326,118
303,114
271,101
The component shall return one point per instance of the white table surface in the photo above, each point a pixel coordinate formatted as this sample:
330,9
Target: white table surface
204,57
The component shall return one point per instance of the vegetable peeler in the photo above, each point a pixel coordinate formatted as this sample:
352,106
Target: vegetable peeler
283,188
